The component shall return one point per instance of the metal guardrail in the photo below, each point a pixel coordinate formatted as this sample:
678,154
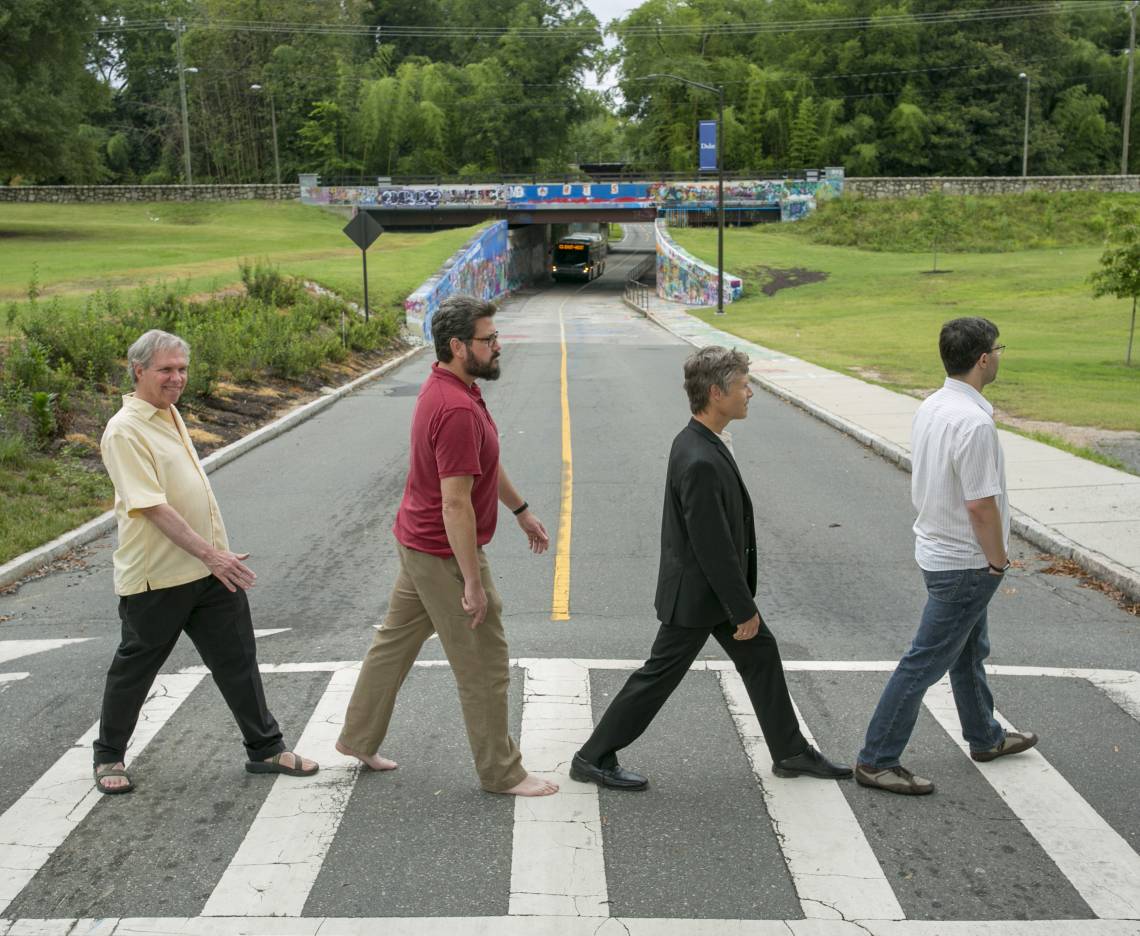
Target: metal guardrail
637,292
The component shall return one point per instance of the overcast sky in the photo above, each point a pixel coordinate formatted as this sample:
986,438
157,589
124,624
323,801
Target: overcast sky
606,10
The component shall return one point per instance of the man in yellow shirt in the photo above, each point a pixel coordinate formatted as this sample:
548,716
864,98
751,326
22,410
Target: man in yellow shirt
174,571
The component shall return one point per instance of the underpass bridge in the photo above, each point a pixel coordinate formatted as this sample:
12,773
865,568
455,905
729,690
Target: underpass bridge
681,202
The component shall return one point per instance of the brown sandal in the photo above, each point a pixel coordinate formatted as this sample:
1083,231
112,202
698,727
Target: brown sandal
275,765
100,775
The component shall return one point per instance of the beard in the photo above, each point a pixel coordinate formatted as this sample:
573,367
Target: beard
488,371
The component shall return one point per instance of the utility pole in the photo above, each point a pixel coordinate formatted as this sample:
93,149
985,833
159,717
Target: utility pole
178,28
1128,86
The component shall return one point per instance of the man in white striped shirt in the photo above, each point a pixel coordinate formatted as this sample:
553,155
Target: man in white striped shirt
962,547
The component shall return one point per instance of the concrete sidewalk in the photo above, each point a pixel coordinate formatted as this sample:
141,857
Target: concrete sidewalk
1067,505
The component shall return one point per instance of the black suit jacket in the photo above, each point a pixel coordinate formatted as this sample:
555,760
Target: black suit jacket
708,538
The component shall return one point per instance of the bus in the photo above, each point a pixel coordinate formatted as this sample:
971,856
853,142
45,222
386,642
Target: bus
579,256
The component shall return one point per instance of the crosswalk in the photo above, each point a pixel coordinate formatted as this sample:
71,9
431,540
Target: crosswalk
558,878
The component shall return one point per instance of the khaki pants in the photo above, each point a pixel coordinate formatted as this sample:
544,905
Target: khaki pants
426,598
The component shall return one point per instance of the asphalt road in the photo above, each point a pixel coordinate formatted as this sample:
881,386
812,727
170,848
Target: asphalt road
837,584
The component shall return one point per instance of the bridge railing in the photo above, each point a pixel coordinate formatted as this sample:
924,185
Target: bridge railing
637,292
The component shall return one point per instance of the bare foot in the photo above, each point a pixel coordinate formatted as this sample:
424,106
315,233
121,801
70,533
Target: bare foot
375,761
530,785
111,784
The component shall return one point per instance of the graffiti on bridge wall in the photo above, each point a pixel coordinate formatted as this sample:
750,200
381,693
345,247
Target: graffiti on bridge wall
794,197
683,278
481,269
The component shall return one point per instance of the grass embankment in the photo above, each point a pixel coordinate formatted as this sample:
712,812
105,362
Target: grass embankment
77,249
94,268
877,313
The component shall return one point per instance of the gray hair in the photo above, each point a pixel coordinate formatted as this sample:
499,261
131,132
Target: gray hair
710,367
456,318
142,352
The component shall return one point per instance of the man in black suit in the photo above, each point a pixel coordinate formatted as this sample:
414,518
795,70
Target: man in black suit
706,585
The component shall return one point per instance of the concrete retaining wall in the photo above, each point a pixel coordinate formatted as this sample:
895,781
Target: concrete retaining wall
62,194
683,278
883,187
493,263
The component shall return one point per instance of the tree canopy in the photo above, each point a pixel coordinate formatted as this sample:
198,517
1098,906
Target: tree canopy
361,88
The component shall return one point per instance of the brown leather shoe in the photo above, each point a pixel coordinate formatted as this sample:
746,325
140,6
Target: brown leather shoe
1014,742
893,780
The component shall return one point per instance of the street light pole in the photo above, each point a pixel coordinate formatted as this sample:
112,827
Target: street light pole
182,95
1127,121
718,90
1025,139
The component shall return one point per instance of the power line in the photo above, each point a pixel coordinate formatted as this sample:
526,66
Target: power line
629,30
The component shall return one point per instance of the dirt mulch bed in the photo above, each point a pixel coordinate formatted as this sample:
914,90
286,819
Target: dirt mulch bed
773,279
232,410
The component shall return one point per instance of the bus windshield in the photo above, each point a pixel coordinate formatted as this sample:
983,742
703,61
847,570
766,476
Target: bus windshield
569,254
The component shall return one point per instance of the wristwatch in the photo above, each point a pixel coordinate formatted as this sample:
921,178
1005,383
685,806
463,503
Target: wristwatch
1000,570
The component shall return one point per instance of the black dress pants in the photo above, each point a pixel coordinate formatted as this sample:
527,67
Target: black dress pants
674,650
219,623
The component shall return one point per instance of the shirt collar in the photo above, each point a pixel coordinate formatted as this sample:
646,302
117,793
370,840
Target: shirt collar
960,386
138,406
442,373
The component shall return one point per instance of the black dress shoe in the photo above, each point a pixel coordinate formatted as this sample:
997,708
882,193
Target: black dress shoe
812,763
616,777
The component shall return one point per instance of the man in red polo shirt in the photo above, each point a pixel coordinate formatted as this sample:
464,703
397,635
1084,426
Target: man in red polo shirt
447,515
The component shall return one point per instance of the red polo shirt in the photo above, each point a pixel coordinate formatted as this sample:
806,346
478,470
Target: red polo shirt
452,435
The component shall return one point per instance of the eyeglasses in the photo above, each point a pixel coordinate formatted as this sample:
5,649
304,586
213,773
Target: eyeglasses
997,349
489,340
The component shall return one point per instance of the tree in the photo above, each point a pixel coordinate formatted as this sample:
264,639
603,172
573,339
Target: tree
1119,273
937,222
48,98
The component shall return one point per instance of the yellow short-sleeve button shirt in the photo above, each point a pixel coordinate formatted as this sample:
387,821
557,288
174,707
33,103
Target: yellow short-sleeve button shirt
151,461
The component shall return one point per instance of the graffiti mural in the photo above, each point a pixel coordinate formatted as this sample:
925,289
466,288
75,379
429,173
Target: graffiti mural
683,278
478,269
794,197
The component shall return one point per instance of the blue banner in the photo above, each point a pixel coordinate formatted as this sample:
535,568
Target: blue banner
708,145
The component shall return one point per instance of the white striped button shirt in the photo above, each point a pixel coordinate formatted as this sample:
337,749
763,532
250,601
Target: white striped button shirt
956,457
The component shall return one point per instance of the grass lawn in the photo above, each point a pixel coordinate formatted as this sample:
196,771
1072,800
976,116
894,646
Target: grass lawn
194,248
76,249
44,497
877,316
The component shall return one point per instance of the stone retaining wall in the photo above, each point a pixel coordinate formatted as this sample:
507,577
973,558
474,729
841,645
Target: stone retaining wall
59,194
903,187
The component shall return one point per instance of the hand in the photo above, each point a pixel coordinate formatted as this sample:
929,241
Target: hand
475,602
228,568
748,629
536,536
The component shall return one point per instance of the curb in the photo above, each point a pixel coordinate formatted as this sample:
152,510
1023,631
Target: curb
15,569
1037,533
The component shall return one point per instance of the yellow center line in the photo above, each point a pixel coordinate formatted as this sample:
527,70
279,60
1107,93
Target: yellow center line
560,600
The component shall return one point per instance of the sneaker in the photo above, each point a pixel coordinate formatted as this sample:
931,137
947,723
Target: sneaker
1014,742
893,780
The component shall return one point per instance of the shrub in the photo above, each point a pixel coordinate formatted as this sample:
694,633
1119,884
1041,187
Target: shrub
265,283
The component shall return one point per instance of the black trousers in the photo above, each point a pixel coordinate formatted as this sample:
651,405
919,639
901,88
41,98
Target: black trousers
674,650
219,623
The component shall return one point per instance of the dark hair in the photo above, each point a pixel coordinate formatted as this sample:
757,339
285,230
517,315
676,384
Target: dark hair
962,341
456,318
710,367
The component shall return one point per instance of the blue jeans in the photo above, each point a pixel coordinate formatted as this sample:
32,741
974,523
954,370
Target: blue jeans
952,637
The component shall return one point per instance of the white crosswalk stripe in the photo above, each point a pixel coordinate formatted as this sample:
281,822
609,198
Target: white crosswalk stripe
832,865
558,881
14,649
1092,855
38,822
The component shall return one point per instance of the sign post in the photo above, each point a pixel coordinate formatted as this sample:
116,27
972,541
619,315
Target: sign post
362,230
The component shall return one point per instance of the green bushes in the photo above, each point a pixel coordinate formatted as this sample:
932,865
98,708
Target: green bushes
276,329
